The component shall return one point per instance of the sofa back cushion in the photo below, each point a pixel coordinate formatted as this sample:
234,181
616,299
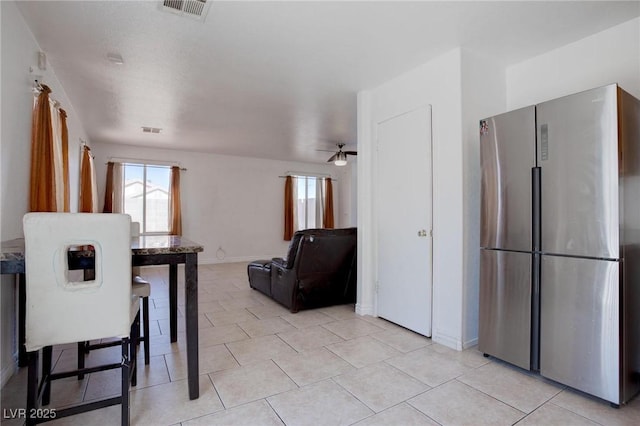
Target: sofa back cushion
323,254
294,245
323,265
293,249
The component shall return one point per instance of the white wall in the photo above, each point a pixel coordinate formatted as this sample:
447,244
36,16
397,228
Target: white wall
483,95
349,194
235,203
462,87
436,83
19,52
611,56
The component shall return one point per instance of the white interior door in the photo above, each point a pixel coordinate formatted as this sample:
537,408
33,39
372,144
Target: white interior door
404,220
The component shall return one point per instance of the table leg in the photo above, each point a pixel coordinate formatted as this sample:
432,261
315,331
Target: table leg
32,387
22,316
191,298
173,301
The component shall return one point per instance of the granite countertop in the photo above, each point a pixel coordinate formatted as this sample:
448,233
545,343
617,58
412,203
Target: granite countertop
13,250
164,244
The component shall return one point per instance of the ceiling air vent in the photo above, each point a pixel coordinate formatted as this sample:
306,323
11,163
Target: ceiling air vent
192,8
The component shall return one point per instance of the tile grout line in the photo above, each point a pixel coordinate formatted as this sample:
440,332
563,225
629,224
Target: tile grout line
490,396
571,411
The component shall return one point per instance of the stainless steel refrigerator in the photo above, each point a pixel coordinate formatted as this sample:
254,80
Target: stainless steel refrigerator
560,240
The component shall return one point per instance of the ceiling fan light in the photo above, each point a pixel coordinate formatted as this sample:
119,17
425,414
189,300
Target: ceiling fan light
341,159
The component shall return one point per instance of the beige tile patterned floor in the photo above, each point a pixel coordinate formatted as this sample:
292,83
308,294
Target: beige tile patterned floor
261,365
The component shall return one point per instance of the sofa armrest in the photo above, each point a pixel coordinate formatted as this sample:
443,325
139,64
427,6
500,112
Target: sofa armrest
279,262
283,285
259,272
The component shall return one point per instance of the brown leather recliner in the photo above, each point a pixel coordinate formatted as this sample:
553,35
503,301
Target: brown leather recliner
319,270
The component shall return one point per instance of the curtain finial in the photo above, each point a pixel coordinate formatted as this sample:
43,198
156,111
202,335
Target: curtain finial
43,87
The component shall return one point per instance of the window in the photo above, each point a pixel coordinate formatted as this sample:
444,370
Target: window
309,202
146,193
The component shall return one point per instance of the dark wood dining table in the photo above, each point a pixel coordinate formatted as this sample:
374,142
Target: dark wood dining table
145,250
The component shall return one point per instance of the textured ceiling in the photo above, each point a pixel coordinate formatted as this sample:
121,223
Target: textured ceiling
274,79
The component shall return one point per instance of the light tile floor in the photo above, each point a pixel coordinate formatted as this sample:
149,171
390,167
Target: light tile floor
261,365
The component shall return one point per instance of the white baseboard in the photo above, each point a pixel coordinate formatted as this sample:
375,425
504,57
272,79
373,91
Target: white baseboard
470,343
448,341
365,309
7,372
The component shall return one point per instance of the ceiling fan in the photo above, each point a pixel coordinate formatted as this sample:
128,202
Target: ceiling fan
340,157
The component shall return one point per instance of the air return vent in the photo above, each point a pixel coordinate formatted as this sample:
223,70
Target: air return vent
192,8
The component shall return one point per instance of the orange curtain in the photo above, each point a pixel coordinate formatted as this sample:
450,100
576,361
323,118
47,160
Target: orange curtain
175,210
42,193
327,218
288,208
65,158
88,196
108,191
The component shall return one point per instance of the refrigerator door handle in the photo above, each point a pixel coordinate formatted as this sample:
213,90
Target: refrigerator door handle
535,311
536,186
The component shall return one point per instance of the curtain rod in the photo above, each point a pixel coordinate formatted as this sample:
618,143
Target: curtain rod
311,176
149,163
301,173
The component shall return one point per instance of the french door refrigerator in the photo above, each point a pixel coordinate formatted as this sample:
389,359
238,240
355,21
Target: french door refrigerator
560,240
